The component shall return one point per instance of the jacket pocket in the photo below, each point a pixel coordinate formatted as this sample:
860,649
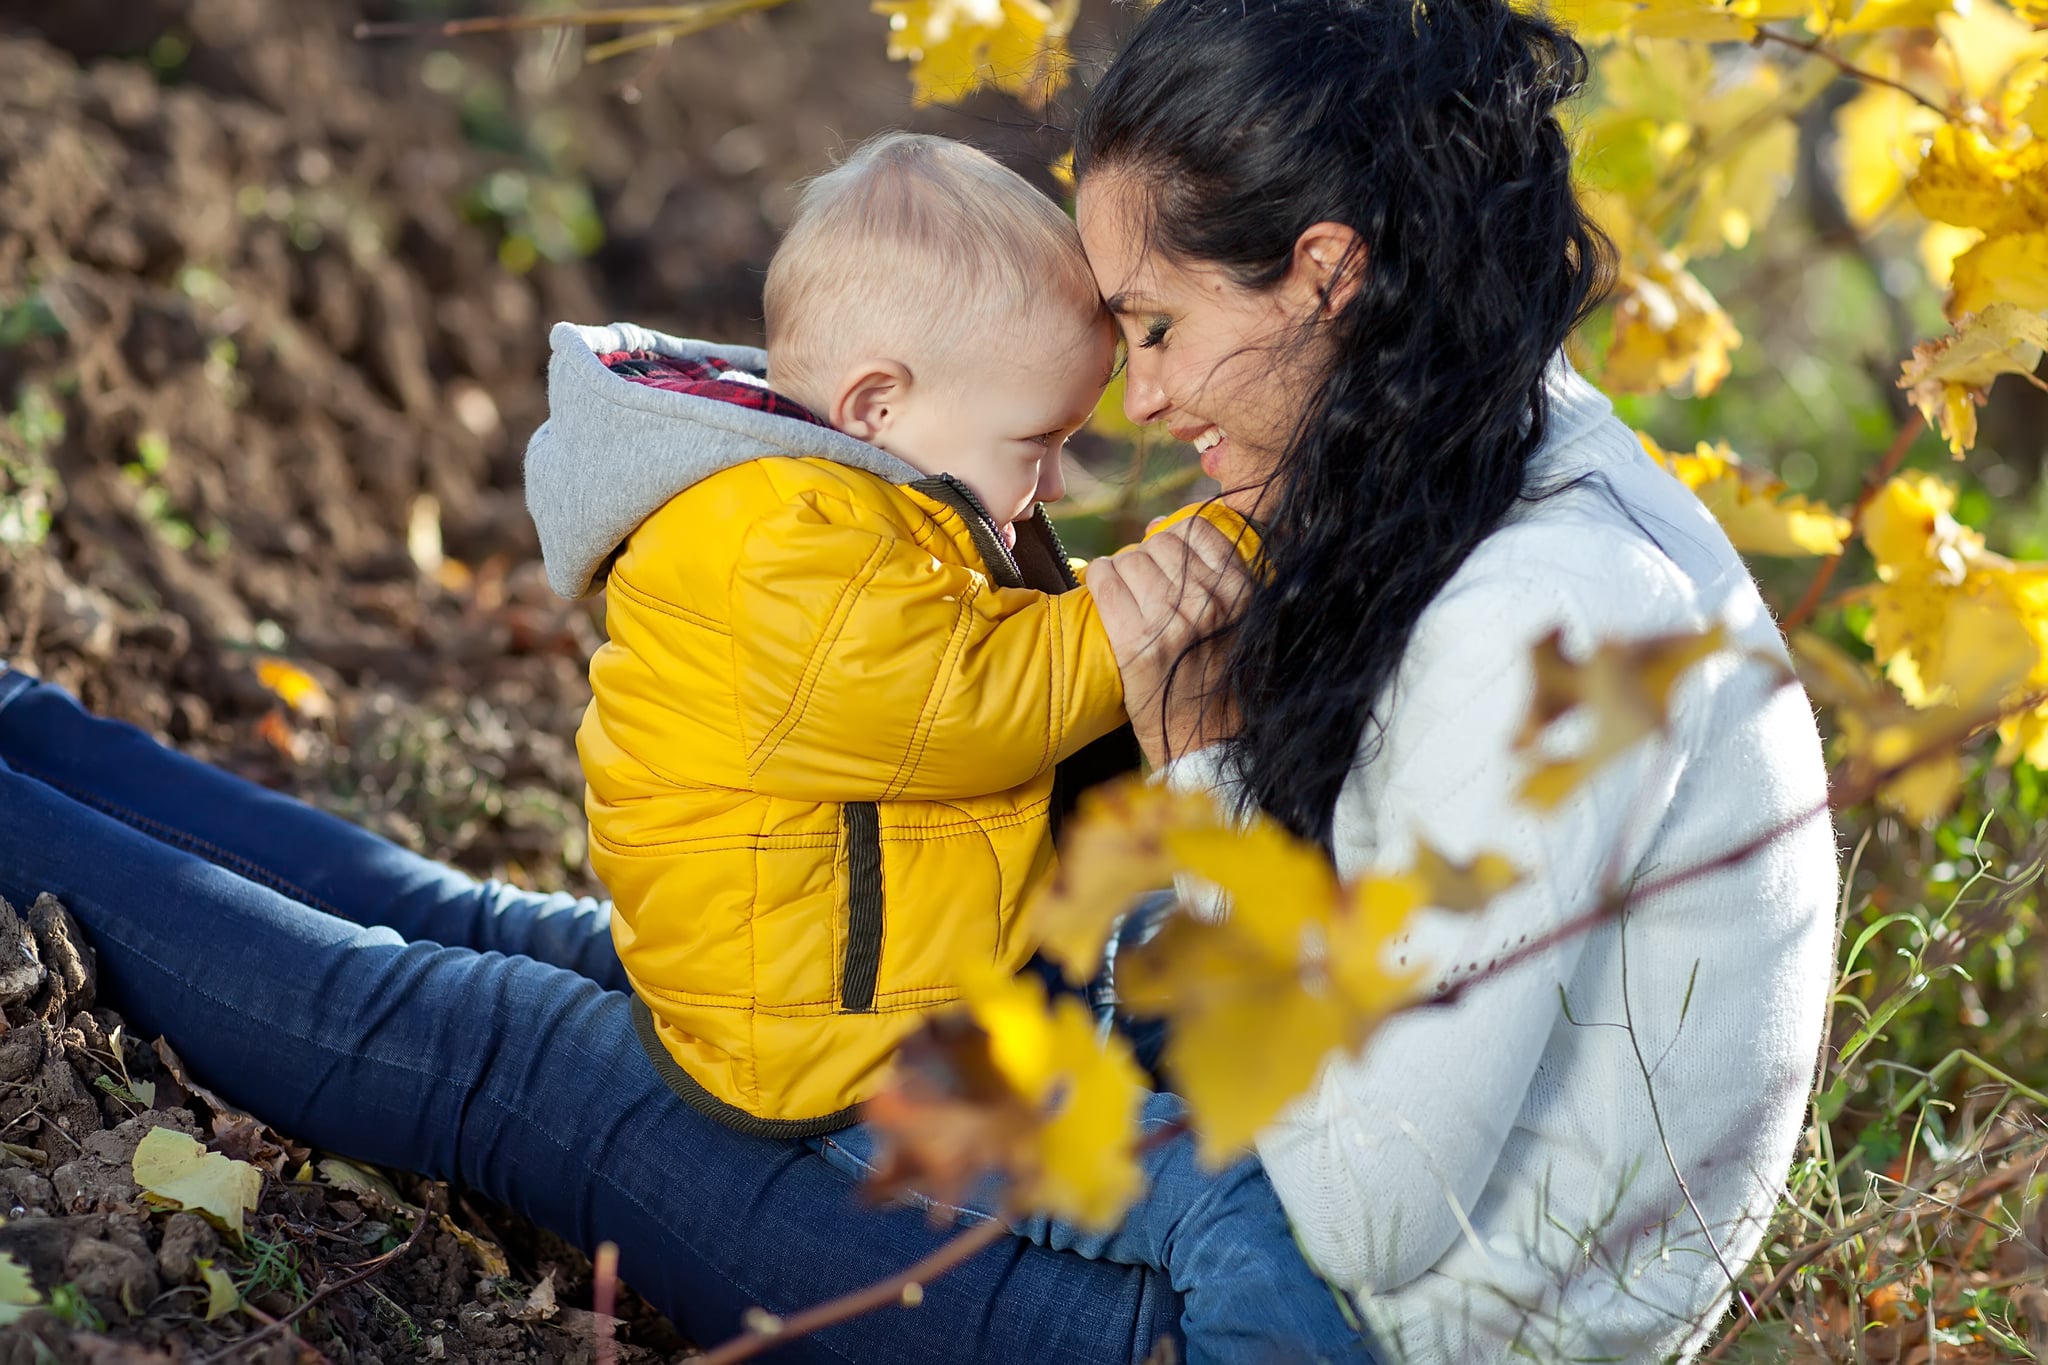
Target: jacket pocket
863,907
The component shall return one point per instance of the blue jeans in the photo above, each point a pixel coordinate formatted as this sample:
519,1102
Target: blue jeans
386,1007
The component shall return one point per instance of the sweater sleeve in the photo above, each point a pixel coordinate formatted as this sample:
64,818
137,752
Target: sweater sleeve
1380,1164
868,668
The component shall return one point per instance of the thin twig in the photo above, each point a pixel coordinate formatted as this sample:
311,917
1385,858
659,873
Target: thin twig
1813,47
1872,486
905,1288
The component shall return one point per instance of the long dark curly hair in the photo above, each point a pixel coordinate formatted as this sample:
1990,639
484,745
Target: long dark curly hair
1430,128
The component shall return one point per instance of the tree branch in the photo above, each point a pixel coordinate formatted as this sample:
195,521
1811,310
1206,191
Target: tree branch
1813,47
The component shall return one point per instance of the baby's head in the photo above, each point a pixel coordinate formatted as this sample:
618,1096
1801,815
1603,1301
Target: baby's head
931,302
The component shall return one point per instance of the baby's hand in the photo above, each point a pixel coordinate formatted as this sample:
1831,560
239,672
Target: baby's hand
1162,603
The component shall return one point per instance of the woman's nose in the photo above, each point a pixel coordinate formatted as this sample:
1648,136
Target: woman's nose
1144,398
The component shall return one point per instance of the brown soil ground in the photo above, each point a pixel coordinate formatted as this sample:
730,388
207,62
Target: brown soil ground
273,312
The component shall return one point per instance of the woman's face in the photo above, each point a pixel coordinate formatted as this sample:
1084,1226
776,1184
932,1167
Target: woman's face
1223,366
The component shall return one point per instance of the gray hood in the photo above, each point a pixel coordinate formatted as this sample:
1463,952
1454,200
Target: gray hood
612,451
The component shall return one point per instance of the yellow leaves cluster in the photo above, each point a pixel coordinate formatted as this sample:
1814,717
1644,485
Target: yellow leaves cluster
1960,631
1256,997
1668,330
1949,378
1760,515
956,47
1020,1086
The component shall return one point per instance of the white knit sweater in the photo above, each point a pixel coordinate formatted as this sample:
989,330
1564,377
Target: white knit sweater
1507,1176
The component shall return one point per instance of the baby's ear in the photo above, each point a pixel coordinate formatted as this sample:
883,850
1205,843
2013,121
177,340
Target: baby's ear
870,398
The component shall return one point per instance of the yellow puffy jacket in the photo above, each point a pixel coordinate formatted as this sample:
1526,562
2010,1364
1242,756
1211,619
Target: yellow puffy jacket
823,752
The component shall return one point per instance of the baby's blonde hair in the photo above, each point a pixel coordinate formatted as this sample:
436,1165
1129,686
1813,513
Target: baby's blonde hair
913,249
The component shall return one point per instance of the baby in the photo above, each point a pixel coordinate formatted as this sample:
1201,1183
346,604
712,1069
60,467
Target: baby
851,679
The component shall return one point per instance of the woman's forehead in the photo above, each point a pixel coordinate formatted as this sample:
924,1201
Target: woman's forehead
1111,211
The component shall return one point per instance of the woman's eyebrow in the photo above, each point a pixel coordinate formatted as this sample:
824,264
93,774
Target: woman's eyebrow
1122,303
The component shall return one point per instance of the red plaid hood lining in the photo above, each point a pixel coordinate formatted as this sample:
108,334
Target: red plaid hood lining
709,377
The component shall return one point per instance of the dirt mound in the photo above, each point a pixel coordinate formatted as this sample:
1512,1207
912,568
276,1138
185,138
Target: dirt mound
273,311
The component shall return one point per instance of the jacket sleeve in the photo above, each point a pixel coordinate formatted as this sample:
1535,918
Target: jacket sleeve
1380,1162
867,668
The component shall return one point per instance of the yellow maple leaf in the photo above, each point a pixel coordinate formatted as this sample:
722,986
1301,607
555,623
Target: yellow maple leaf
1758,513
2010,269
1085,1088
1017,1086
1948,378
171,1167
1968,178
1625,685
1667,329
1909,528
956,47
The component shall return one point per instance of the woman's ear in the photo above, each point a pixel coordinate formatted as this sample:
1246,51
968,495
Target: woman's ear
870,398
1328,266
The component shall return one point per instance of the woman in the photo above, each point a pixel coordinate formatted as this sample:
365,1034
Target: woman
1341,239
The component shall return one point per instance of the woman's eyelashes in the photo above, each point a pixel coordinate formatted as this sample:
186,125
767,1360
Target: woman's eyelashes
1155,333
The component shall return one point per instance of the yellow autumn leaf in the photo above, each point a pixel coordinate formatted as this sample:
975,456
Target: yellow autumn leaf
1626,686
1667,330
1948,378
172,1168
1909,528
2009,269
956,47
222,1297
1463,886
1758,513
294,686
1969,179
1086,1089
18,1293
